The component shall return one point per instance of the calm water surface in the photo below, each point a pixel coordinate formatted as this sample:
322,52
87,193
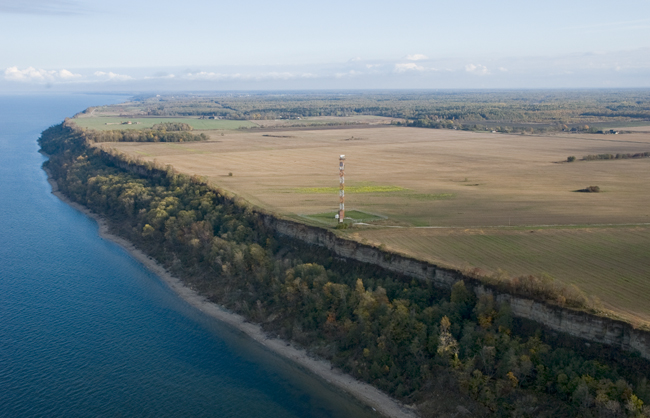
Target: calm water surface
85,330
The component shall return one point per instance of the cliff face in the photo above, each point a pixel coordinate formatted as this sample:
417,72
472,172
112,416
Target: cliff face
578,324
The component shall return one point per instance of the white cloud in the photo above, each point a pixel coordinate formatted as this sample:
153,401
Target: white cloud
160,76
283,76
503,69
31,74
416,57
409,66
476,69
66,75
350,73
112,76
204,75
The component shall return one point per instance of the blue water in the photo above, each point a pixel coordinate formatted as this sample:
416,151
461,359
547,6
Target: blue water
85,330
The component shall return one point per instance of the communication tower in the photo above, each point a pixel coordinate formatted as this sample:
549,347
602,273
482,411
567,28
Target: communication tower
341,188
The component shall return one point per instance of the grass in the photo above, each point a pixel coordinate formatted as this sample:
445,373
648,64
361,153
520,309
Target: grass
146,154
419,177
350,216
430,196
184,148
367,188
611,263
115,123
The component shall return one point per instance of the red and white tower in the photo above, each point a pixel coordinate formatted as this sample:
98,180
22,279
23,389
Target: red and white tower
341,188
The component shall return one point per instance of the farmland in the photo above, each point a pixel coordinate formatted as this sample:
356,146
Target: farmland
460,199
118,117
421,177
611,263
105,123
111,123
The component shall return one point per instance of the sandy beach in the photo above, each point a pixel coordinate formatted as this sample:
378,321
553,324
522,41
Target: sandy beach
364,392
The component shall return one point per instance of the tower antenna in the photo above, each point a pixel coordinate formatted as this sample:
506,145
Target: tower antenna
341,188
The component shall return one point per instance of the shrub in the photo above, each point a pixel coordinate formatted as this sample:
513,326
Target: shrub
589,189
172,126
146,135
571,158
619,156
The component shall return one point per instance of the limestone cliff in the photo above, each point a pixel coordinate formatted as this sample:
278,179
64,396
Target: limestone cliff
573,322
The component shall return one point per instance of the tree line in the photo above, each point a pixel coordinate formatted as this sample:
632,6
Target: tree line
159,133
433,109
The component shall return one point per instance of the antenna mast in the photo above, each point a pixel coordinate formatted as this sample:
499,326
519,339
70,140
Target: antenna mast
341,188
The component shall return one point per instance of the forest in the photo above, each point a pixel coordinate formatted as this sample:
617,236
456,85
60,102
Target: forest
506,111
420,344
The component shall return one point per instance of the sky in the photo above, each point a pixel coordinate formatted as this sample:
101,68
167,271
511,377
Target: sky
164,45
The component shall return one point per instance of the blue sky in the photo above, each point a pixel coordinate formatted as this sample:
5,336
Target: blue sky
250,44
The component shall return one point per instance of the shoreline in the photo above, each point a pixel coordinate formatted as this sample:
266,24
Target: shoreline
363,392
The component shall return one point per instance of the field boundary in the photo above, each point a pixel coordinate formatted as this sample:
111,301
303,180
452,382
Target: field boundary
519,226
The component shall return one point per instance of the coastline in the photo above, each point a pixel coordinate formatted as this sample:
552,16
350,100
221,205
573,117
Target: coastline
363,392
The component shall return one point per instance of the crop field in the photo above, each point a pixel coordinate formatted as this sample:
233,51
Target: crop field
111,123
642,128
351,216
462,199
612,263
326,120
424,177
107,118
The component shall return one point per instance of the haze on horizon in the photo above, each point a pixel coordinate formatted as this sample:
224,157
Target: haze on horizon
141,45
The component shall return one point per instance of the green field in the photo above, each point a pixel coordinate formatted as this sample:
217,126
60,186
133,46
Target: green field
115,123
610,262
350,217
365,188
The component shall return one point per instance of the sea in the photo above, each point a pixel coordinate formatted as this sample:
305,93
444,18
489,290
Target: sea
87,331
